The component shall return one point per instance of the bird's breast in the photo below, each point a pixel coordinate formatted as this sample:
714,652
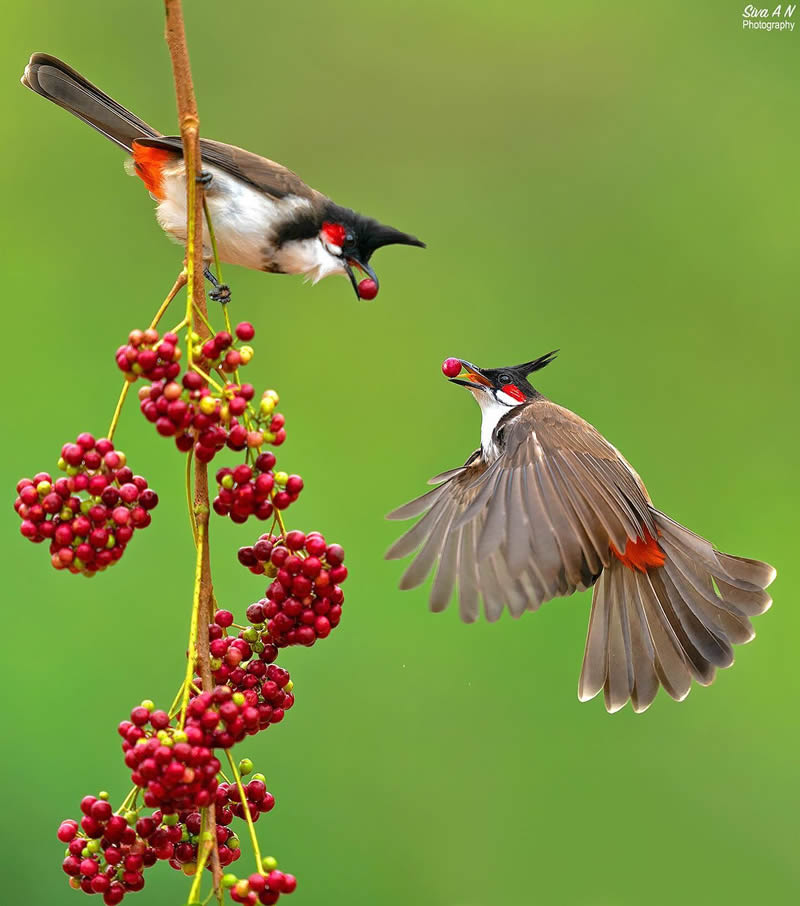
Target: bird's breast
245,220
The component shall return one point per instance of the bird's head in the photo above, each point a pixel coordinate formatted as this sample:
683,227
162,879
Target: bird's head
350,239
494,388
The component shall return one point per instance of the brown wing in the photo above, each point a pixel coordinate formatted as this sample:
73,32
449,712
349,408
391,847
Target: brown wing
535,524
272,178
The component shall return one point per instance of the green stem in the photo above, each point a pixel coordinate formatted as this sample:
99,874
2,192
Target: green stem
248,817
210,380
203,852
191,654
118,411
192,520
128,800
205,320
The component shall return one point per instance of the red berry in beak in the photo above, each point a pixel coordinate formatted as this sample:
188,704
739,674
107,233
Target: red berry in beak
368,289
451,367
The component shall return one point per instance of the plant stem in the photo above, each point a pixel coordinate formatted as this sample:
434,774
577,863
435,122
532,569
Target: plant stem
189,502
179,283
248,817
126,802
118,411
192,654
203,851
189,129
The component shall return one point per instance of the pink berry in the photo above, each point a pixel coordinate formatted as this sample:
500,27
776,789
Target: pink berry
451,367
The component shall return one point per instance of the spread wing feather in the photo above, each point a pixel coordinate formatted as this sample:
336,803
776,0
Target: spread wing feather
534,524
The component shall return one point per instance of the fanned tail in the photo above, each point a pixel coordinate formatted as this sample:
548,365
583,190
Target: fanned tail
667,625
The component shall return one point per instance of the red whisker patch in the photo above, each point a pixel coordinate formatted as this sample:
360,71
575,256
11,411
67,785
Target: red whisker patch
149,165
335,233
640,553
514,392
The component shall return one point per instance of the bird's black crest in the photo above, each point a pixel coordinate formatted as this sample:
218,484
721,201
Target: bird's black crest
537,364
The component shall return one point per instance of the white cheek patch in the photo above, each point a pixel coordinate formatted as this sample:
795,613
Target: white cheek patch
332,249
507,400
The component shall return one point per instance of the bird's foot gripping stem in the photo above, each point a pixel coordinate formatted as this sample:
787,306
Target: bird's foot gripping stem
204,179
221,291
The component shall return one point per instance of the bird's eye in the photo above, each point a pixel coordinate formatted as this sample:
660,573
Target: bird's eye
505,378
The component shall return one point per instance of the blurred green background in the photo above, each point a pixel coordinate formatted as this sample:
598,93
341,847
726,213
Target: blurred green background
617,181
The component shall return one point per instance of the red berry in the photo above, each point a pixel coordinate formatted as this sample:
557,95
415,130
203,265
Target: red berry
451,367
367,289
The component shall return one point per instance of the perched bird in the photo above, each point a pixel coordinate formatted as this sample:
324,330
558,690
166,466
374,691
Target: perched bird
547,506
264,216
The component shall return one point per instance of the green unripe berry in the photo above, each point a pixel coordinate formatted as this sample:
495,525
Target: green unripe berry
229,880
245,766
269,863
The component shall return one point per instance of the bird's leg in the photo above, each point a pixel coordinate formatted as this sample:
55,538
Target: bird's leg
221,291
204,179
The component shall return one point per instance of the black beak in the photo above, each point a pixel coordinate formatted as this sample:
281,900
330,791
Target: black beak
471,376
348,265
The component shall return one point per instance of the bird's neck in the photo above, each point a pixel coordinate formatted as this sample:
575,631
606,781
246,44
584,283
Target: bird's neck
492,412
307,257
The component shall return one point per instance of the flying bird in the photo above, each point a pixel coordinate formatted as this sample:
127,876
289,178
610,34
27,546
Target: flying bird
264,216
546,506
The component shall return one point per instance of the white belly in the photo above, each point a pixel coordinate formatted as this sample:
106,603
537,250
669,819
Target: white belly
243,218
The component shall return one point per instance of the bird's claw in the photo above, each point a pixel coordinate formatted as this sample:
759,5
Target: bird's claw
204,179
221,293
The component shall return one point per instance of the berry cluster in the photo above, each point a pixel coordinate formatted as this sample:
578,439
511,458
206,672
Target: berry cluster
177,836
259,799
90,515
304,601
147,356
105,854
260,888
175,768
250,701
220,351
207,420
246,491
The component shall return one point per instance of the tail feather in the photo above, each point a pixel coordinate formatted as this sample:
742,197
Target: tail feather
61,84
671,624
